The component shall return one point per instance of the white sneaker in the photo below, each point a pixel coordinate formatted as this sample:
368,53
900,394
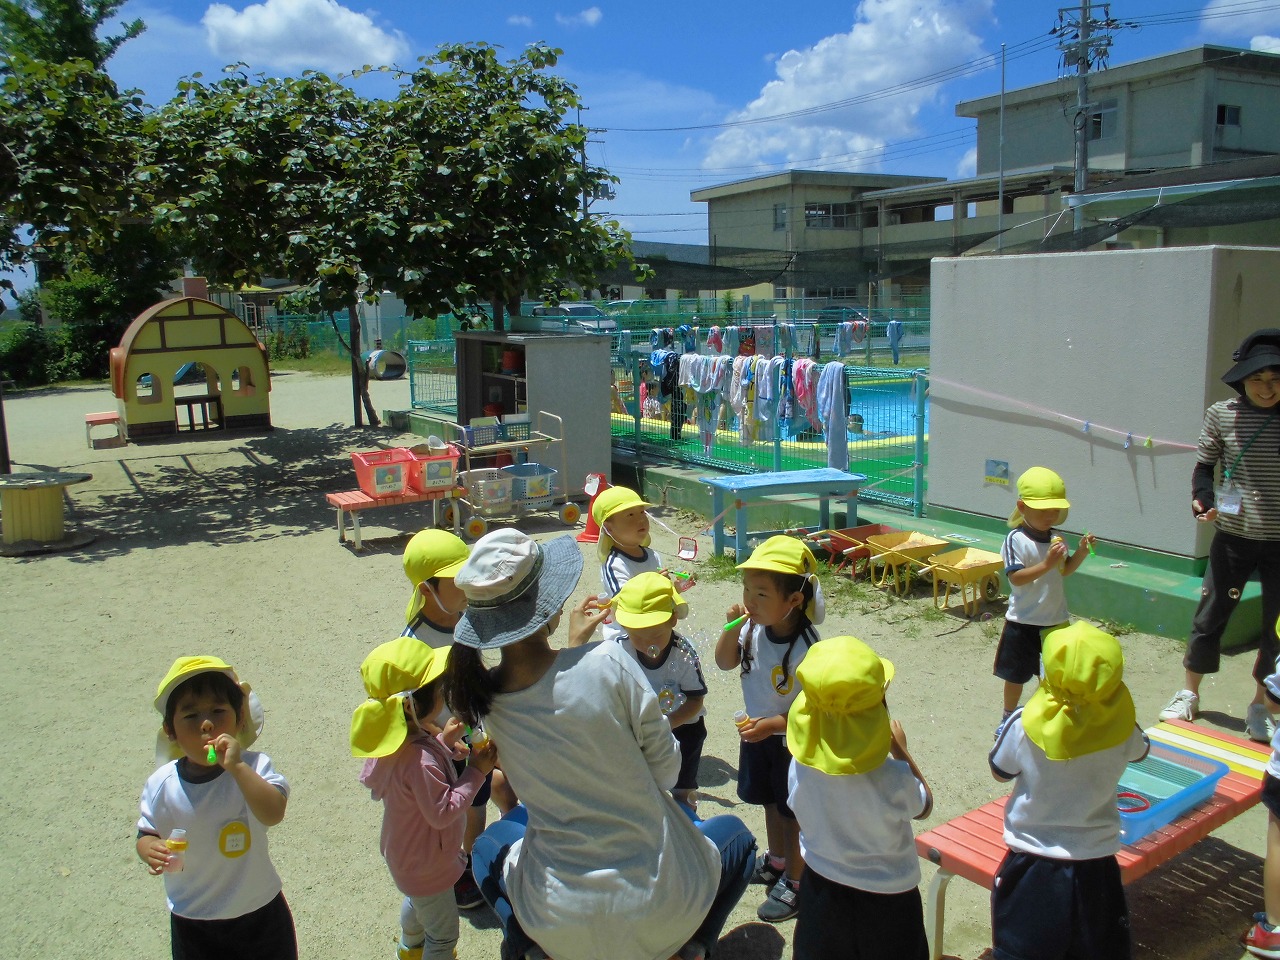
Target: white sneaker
1258,725
1184,706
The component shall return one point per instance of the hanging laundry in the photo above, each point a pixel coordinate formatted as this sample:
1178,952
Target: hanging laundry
833,410
715,340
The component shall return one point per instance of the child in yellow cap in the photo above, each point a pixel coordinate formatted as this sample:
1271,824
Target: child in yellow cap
647,608
624,543
1036,560
855,790
431,558
781,603
409,768
1058,892
223,798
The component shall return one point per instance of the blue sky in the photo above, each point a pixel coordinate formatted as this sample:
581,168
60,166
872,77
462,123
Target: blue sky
684,94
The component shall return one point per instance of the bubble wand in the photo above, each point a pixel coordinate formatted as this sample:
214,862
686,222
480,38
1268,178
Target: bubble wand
734,623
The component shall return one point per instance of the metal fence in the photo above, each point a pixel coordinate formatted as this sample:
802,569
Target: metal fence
886,427
433,381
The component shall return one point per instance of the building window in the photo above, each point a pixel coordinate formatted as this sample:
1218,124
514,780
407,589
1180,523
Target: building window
779,292
830,216
1103,120
1228,115
779,216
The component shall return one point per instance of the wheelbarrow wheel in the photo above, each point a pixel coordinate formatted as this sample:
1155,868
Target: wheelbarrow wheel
476,527
569,514
991,588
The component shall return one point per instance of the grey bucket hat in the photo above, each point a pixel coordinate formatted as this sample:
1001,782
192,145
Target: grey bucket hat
514,586
1259,350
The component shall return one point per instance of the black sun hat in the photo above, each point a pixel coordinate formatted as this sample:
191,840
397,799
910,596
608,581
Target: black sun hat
1259,350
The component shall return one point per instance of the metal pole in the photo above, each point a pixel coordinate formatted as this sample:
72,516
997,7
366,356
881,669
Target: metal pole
1082,113
917,477
1000,175
5,465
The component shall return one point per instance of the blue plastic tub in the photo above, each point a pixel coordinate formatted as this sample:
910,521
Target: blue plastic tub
1173,781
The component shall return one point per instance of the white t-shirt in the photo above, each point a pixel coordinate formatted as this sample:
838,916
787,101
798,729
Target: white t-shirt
766,691
1065,809
855,830
228,871
1273,693
616,570
679,672
609,866
1043,601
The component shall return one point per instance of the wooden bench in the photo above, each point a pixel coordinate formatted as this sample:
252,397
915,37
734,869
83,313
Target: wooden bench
972,845
354,501
108,418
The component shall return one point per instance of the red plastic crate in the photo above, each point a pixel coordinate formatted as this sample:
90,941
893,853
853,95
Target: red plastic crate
383,473
433,471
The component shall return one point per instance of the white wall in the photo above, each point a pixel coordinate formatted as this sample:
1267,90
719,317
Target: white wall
1133,341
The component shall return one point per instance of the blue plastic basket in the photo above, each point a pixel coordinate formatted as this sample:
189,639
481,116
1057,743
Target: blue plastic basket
1172,781
530,481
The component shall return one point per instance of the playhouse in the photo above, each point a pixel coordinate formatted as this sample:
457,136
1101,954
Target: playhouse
172,343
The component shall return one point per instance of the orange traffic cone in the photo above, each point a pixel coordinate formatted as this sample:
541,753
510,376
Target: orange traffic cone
596,484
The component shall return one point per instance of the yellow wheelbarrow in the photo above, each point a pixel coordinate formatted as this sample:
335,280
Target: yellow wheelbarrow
894,553
974,573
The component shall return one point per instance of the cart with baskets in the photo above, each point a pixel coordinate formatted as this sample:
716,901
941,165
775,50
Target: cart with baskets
512,491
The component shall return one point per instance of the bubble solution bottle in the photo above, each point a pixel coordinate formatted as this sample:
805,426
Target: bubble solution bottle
740,719
177,844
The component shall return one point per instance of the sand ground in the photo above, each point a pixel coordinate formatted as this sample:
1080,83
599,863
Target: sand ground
224,545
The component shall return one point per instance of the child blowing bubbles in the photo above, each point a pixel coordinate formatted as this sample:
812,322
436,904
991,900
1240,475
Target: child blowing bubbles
781,600
624,543
225,806
1035,561
1058,892
425,801
855,806
647,608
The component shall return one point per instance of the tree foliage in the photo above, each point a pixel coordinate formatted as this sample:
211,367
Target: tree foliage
59,31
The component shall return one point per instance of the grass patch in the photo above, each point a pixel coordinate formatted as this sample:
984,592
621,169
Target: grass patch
1115,628
332,363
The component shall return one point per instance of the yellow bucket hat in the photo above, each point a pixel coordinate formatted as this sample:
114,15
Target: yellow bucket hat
611,501
390,671
839,723
783,554
1082,705
1041,488
252,716
647,600
431,553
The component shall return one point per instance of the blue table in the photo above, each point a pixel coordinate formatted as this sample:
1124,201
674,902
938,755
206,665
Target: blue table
824,483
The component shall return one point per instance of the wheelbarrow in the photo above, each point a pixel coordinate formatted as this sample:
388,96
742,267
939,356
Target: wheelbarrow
894,553
848,547
974,573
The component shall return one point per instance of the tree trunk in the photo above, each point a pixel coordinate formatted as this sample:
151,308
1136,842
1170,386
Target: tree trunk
359,372
496,305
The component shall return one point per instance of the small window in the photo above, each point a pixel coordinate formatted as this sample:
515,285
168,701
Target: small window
779,216
779,293
1103,120
145,389
242,382
1228,115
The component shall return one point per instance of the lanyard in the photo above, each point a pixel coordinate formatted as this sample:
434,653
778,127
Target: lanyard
1226,474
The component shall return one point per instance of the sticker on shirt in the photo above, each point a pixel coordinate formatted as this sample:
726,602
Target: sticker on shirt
1230,499
782,682
234,840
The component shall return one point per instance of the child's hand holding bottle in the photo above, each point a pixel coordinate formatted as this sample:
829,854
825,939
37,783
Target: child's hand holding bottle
484,757
153,852
452,738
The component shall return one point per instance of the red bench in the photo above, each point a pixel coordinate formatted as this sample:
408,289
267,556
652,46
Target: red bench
354,501
107,418
972,845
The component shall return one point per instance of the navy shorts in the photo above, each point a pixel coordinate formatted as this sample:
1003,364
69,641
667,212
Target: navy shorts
762,773
1018,655
840,922
1271,795
691,736
266,933
1059,909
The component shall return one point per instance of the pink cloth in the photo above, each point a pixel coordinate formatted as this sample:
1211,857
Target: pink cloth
424,811
804,381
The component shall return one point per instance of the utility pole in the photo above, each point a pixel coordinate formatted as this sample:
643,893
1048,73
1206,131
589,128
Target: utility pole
1085,42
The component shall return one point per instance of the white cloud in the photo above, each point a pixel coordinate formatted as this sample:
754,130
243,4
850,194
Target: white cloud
968,165
519,20
891,42
1226,17
300,34
1265,44
589,17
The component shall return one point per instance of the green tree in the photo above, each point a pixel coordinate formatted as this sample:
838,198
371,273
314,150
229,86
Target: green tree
59,31
463,188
